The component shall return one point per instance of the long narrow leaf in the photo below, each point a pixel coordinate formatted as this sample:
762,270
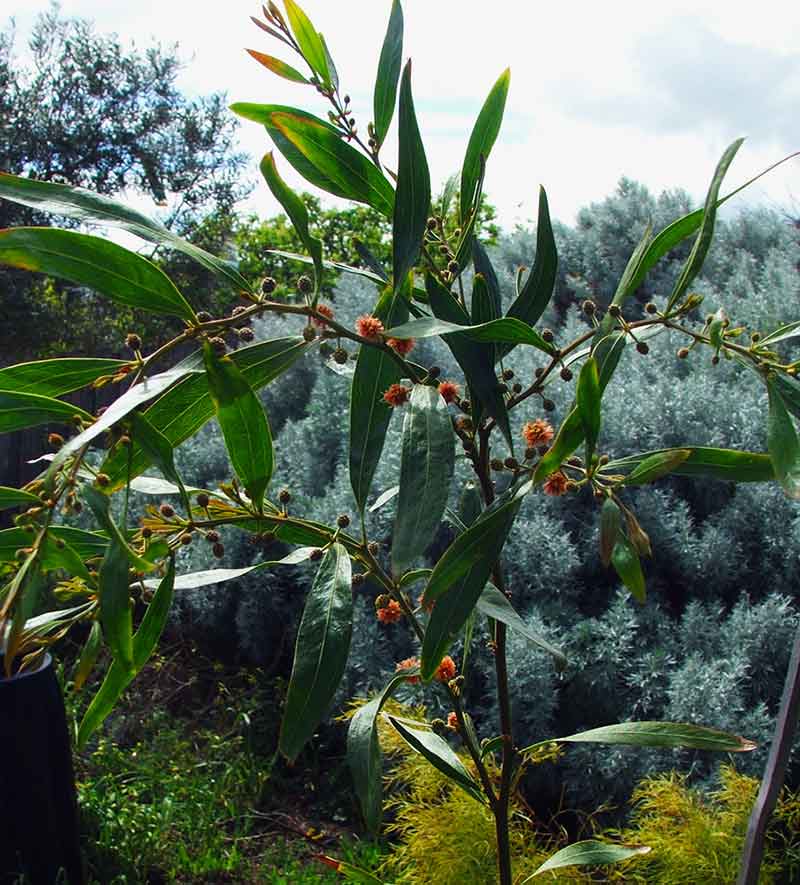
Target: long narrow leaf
389,65
21,410
57,376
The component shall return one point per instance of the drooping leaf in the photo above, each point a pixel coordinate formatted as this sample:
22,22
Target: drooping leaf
100,507
88,656
372,275
460,576
21,410
535,295
85,205
144,642
658,465
587,402
57,376
437,751
373,264
159,451
308,40
482,139
115,603
567,439
297,212
783,444
413,195
628,566
375,372
17,498
186,407
495,605
474,358
243,423
426,471
364,753
723,464
277,66
610,524
590,852
662,734
388,76
703,240
323,642
101,265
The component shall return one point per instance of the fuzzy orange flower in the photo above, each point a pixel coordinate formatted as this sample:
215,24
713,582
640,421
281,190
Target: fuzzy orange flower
402,345
369,326
555,484
390,613
396,395
326,311
452,720
537,433
408,664
449,390
446,670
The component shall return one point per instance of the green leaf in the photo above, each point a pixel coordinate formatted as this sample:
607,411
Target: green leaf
587,402
101,265
243,423
323,642
21,410
567,439
413,195
783,444
504,329
658,465
86,206
476,360
100,506
277,66
297,212
464,245
482,310
22,597
17,498
309,41
56,377
482,139
588,853
378,278
662,734
158,450
86,544
723,464
364,752
437,751
628,566
610,524
531,302
186,407
375,372
701,244
316,150
118,677
492,308
782,333
389,66
59,555
459,577
147,389
208,577
495,605
426,471
370,260
88,657
115,603
332,72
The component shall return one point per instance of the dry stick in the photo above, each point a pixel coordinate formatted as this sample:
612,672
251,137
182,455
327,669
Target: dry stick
774,773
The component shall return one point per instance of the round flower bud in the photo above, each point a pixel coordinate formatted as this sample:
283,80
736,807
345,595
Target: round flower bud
516,387
147,533
432,224
603,460
650,307
373,548
203,500
548,336
566,374
755,337
548,405
340,356
358,579
538,371
203,316
212,537
496,464
642,347
133,341
531,452
166,511
511,463
614,310
508,374
56,440
434,372
284,496
186,539
218,345
218,550
238,310
343,520
103,479
309,333
304,285
683,352
316,554
268,285
439,727
246,334
715,360
453,267
588,307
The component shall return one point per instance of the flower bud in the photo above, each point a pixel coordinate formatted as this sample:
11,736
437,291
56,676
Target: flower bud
103,479
203,500
548,405
650,307
340,356
246,334
166,511
284,496
316,554
373,548
683,352
588,307
548,336
203,316
218,345
56,440
304,285
212,537
309,333
186,539
566,374
268,285
218,550
343,520
133,341
642,347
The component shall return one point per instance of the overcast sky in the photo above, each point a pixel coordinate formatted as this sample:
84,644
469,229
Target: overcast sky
598,90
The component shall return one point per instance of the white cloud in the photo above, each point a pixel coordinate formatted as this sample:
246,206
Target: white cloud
594,86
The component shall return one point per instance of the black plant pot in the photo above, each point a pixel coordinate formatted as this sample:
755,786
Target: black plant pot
38,804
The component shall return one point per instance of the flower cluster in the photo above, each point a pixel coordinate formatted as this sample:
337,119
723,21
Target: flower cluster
537,433
402,346
369,327
396,395
390,613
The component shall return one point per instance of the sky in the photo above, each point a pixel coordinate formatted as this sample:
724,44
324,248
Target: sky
654,92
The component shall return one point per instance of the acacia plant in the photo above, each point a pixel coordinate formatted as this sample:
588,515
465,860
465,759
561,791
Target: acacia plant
440,284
